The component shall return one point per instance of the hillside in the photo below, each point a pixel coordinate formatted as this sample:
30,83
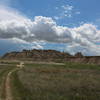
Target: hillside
51,55
48,55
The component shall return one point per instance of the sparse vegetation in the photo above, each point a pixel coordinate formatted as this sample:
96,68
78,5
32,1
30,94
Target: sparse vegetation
4,70
19,91
69,81
58,82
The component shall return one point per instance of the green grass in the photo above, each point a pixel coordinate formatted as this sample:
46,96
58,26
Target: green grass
58,82
69,81
69,65
82,66
4,70
19,91
9,62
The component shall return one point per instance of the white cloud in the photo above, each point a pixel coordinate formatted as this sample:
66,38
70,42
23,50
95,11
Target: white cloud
7,13
15,26
67,8
34,45
92,49
65,11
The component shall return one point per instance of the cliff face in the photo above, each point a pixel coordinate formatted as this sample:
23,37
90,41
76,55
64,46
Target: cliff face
48,55
51,55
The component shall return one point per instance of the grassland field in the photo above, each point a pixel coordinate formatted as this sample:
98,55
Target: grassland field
43,81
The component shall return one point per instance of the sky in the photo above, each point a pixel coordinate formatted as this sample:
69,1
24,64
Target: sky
66,25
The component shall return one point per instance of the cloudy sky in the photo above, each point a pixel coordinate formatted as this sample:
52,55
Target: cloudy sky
65,25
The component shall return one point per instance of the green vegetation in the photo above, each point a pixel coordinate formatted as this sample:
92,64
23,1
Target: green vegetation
54,81
19,91
82,66
58,82
4,70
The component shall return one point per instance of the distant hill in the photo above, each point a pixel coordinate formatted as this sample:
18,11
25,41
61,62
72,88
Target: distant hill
41,55
51,55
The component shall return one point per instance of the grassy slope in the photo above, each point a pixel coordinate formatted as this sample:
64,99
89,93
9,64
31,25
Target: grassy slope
57,82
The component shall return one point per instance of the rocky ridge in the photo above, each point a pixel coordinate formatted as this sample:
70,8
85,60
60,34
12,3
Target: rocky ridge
51,55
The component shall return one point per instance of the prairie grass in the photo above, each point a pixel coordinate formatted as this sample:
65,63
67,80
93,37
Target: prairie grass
70,81
4,70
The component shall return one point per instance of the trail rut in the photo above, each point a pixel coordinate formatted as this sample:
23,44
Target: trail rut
8,85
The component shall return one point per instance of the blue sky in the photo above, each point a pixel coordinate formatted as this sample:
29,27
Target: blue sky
89,10
71,25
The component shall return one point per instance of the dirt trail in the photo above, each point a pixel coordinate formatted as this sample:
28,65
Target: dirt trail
8,83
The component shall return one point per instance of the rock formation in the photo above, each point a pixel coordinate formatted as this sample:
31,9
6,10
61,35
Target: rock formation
51,55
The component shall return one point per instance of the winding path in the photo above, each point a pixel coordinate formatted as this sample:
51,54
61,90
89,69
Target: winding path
8,82
8,86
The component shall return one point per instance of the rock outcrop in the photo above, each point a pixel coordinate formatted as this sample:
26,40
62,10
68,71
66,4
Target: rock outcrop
51,55
79,54
41,55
